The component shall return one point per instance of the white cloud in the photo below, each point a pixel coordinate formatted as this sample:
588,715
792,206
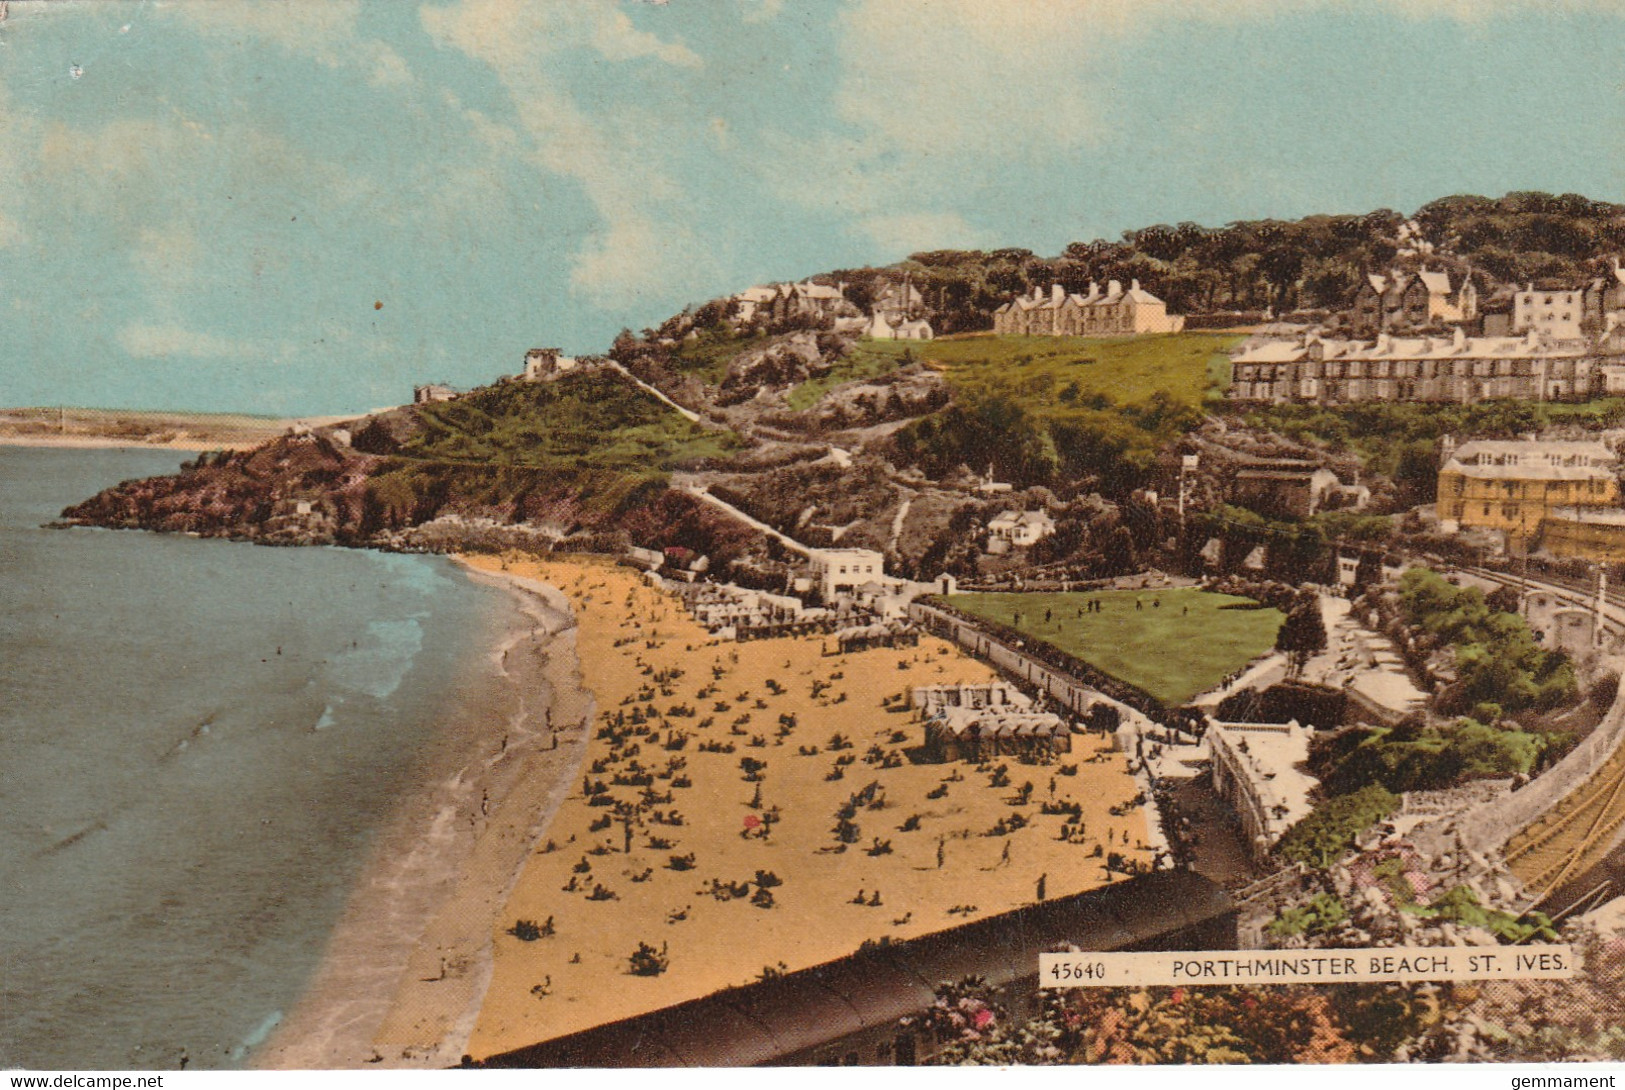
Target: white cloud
760,11
155,341
618,40
615,159
326,31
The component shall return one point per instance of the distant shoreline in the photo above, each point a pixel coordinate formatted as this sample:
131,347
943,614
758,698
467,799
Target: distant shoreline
138,429
98,442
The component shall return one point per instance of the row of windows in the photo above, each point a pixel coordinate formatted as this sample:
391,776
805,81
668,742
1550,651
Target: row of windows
1413,369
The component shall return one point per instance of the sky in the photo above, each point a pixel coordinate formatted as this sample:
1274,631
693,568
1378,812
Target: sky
306,207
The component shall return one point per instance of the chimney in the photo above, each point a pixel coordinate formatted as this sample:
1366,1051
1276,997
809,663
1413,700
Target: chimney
1134,285
1056,294
1114,287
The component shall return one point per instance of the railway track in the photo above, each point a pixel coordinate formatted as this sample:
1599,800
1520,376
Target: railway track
1573,836
1577,833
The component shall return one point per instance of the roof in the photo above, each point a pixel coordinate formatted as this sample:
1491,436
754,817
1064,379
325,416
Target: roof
1437,283
1531,450
820,291
1281,474
1412,348
997,719
845,554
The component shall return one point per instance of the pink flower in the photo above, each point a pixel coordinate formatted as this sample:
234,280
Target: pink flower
752,821
984,1018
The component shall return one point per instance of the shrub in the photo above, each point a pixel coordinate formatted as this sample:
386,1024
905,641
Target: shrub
647,961
1324,912
1322,837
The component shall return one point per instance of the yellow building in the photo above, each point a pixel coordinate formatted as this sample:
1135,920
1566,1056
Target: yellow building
1586,532
1513,486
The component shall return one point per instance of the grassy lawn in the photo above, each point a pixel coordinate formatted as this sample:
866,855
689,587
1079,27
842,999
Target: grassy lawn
1173,650
1126,369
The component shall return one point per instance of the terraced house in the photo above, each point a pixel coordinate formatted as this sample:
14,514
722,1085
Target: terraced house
1113,312
1457,368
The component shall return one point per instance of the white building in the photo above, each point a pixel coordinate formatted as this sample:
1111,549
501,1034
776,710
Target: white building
935,699
753,300
1553,314
880,328
543,364
843,571
1258,770
1020,529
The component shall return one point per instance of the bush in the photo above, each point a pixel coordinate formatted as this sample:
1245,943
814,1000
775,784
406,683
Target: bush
1321,838
647,961
1324,912
1414,755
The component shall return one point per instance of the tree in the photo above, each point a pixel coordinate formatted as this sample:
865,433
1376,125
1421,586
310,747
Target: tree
1119,553
1303,634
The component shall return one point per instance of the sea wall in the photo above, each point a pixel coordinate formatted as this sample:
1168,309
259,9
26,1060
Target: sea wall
1488,826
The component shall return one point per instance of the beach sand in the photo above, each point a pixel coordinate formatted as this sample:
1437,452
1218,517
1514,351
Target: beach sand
404,973
642,651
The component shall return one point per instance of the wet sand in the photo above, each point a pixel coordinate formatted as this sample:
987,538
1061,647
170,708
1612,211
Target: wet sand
596,901
406,969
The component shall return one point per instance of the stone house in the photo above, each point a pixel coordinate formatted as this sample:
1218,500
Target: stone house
1457,368
1292,488
1406,301
1557,315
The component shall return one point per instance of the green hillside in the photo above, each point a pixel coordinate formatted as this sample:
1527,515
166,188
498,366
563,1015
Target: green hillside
1056,372
595,420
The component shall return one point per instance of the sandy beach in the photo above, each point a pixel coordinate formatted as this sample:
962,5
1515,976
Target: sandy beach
407,967
425,967
681,722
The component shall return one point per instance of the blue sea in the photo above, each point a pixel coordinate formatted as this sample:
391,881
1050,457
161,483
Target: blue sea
199,741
